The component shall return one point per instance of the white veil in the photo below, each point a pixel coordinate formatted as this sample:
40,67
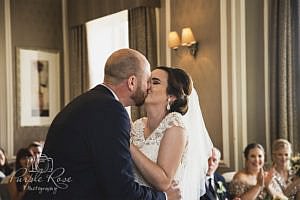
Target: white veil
198,152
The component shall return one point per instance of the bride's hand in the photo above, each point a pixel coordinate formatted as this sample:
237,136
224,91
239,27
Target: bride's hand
133,148
173,192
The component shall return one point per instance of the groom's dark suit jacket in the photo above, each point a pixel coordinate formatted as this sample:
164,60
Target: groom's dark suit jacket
88,144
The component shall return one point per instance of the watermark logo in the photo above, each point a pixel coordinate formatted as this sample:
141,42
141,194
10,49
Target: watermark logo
45,164
41,176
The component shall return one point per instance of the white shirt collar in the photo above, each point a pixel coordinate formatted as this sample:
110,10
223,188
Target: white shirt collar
211,176
207,179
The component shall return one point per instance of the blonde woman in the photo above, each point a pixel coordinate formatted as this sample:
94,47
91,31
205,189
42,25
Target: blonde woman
283,182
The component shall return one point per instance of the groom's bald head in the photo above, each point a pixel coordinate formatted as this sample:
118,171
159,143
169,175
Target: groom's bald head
124,63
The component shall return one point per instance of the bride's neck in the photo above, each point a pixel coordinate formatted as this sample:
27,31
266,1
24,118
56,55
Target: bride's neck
154,117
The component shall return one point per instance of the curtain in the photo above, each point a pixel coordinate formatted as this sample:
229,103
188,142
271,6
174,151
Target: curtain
284,71
142,37
79,77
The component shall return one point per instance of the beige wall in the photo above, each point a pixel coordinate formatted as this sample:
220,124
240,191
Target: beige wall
255,71
243,91
204,18
35,25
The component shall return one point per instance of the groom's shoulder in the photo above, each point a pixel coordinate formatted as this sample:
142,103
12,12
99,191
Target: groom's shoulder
101,96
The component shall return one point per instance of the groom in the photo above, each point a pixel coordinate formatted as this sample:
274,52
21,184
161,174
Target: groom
86,154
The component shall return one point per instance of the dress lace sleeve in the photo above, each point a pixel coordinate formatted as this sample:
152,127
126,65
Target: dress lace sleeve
137,133
137,130
173,119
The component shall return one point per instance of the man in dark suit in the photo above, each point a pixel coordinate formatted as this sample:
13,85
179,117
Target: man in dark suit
215,183
86,154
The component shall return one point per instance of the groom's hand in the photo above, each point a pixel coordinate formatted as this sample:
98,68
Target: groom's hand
173,192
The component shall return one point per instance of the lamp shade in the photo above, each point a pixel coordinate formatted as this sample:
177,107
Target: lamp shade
187,37
173,40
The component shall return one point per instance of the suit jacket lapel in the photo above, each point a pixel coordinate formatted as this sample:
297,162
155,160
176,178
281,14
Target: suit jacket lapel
220,196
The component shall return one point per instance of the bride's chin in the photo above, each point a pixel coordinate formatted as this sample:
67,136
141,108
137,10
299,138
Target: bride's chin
147,102
148,98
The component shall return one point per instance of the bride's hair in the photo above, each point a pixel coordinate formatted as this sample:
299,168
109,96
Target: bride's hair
180,85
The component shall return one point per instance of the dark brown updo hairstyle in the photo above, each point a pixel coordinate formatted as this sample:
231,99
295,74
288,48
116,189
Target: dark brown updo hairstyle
180,85
252,146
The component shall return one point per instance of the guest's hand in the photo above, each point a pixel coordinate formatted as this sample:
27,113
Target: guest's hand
296,183
268,176
260,178
296,179
173,192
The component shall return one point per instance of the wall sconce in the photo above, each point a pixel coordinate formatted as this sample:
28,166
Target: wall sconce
187,39
174,40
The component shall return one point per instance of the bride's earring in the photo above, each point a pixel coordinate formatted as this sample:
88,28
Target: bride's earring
168,105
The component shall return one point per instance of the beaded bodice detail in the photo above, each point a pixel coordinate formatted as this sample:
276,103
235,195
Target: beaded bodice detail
150,145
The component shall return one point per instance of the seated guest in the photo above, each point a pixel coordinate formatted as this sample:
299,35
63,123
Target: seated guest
35,149
5,169
215,183
19,180
251,182
283,182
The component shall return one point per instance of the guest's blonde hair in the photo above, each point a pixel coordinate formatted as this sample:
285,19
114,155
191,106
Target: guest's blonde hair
280,144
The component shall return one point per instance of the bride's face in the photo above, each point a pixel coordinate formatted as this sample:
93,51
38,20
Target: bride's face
157,94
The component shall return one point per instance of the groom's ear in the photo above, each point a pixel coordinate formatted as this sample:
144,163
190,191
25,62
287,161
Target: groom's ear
132,83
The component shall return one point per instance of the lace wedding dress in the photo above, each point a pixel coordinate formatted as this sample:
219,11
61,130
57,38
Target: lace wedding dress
150,146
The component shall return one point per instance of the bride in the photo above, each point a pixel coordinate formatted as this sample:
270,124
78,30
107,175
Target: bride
171,143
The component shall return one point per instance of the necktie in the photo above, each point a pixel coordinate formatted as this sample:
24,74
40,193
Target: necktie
211,188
